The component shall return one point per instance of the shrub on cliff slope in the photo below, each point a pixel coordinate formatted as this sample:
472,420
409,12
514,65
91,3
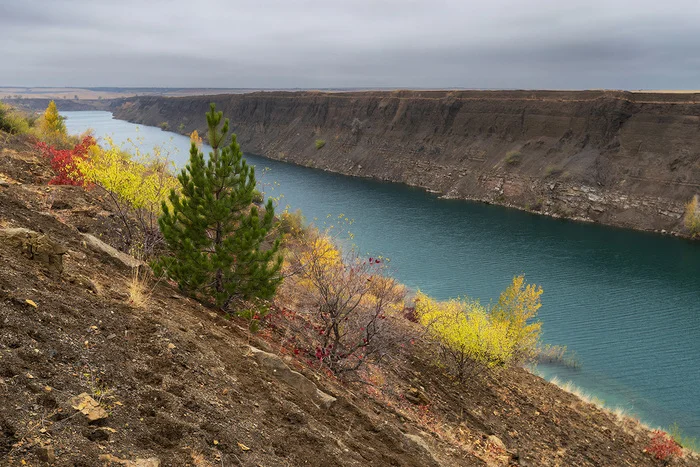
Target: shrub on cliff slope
136,184
221,247
473,338
517,306
468,340
692,216
13,121
66,163
351,306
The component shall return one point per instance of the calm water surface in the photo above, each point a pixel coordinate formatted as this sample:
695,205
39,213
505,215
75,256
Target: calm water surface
627,303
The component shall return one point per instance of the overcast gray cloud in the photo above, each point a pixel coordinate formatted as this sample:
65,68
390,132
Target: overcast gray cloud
564,44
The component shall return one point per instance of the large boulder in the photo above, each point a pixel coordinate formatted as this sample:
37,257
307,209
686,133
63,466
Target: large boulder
281,371
110,252
36,246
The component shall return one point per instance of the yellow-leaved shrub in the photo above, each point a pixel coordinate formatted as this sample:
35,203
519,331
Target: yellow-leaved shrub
137,184
472,337
52,128
196,139
517,307
13,121
469,340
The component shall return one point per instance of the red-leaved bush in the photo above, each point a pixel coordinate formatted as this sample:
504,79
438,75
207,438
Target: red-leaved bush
63,161
663,446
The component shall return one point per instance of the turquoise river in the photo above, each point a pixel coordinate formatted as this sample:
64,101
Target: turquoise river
627,303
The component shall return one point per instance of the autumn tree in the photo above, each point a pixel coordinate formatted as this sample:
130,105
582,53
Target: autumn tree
469,341
52,124
517,308
473,338
221,246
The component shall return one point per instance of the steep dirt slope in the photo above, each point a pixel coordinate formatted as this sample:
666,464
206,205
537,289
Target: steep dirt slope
619,158
177,383
178,380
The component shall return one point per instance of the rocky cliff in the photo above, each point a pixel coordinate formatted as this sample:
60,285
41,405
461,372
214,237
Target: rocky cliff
618,158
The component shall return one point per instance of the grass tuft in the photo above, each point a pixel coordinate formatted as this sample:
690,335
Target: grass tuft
139,293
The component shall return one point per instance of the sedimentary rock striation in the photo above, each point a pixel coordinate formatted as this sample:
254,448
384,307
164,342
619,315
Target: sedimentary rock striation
618,158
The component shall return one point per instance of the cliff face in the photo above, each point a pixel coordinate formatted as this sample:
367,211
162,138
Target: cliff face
625,159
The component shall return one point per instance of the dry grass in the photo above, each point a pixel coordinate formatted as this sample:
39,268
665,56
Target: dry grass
138,287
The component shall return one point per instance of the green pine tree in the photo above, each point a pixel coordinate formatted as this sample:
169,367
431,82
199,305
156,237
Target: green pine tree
218,240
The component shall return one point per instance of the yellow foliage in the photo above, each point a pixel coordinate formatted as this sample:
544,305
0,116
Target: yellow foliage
52,123
466,333
351,306
13,121
692,216
137,186
292,223
516,307
321,253
143,181
471,335
196,139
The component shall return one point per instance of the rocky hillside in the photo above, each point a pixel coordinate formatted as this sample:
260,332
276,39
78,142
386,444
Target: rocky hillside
88,377
619,158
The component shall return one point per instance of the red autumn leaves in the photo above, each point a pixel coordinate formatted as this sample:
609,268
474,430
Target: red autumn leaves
64,161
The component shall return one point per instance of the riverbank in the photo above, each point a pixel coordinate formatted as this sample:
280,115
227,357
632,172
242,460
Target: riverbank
624,159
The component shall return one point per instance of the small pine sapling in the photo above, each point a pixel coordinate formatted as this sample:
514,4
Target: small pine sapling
222,248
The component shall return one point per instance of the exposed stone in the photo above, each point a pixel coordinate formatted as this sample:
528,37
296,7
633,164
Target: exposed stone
96,435
84,282
88,407
150,462
422,445
119,257
496,441
277,368
36,246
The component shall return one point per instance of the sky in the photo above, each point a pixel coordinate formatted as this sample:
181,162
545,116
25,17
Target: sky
504,44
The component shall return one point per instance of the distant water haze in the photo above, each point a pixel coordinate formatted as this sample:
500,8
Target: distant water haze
628,303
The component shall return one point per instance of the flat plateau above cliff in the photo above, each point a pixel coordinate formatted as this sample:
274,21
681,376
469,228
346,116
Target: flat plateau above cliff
629,159
88,379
